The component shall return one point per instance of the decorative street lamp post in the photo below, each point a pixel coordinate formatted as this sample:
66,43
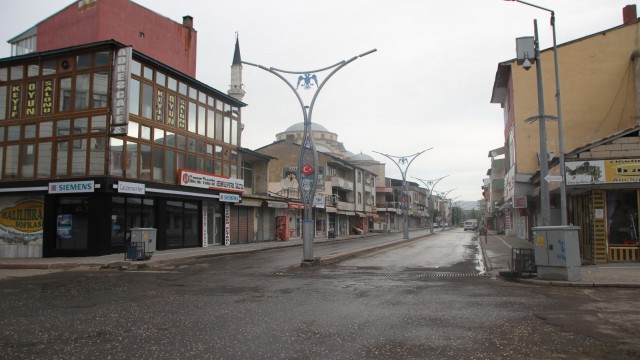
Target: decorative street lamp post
563,189
444,194
308,160
404,160
430,184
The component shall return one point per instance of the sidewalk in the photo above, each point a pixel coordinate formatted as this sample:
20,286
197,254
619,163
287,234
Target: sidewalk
497,255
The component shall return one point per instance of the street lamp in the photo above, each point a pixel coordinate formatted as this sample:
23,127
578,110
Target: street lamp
430,184
563,189
404,160
444,194
308,160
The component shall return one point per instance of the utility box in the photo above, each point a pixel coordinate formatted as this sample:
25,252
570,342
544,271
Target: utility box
557,252
146,235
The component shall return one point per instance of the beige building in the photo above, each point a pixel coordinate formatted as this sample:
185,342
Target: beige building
599,76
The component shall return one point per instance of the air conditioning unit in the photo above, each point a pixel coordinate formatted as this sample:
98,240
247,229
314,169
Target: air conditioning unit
550,156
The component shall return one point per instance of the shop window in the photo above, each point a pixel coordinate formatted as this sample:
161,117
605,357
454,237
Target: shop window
622,217
64,103
3,102
192,118
116,156
11,162
170,166
48,67
134,97
61,158
80,126
96,155
202,120
44,160
46,129
27,161
131,160
102,58
72,226
158,157
100,90
13,133
99,124
82,92
145,162
147,101
83,61
210,123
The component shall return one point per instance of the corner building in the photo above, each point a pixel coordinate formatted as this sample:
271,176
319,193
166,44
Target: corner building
98,138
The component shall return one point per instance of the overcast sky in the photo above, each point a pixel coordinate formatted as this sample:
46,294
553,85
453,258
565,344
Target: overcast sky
428,85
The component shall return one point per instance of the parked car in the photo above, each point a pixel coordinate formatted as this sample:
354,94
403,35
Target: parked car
471,224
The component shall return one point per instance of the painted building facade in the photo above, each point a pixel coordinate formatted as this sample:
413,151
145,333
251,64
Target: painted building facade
599,79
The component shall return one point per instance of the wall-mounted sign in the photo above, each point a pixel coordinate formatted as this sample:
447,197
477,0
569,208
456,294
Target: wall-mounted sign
208,181
71,187
120,92
131,188
229,197
603,171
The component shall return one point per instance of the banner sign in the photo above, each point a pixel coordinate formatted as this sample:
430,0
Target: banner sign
120,92
208,181
603,172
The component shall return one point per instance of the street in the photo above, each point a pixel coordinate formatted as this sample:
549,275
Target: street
429,299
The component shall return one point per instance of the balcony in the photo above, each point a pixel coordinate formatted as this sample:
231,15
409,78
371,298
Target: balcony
341,183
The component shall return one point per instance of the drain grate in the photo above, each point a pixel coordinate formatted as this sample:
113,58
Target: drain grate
395,275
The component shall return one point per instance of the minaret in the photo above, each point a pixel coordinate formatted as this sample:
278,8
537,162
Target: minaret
236,89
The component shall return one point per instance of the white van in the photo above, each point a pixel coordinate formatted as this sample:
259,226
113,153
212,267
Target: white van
471,224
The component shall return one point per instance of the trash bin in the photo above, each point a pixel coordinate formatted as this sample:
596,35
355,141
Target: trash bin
135,251
146,236
523,260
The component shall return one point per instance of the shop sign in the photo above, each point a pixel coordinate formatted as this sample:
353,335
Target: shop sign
25,216
71,187
227,224
229,197
603,172
520,202
207,181
120,100
131,188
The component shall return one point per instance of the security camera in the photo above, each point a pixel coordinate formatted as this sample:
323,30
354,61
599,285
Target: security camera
526,64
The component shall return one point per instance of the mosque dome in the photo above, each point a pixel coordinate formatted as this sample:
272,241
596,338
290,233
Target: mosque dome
300,127
361,157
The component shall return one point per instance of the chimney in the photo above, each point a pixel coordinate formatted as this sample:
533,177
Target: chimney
629,14
187,20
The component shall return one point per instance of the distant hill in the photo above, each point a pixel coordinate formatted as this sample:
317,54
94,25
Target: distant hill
468,205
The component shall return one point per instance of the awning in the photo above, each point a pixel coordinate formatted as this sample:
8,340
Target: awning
362,215
293,205
277,204
341,212
250,202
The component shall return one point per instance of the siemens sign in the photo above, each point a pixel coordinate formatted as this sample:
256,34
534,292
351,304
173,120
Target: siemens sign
71,187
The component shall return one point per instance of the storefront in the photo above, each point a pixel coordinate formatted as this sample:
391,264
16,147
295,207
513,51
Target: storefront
604,202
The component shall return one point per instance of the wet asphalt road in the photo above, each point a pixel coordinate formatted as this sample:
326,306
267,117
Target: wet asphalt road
427,300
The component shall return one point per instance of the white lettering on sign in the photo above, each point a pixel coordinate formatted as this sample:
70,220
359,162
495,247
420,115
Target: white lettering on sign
120,100
71,187
229,197
227,224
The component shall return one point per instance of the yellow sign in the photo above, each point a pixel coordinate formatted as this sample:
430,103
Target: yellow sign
622,171
26,216
540,241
